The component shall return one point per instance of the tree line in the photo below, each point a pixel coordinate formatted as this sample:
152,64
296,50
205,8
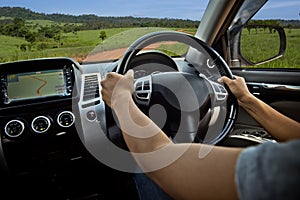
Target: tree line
289,24
92,22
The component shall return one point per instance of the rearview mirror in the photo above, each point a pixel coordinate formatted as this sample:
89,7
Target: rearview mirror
259,44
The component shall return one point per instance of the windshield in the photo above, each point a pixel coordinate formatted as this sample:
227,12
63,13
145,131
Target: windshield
90,31
114,47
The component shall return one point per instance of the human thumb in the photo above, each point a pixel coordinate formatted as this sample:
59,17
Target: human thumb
128,80
224,79
129,74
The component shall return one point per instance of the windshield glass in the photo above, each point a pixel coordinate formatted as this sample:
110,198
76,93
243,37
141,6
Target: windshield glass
90,31
114,47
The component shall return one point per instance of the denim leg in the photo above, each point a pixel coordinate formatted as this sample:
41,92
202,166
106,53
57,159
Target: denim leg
148,190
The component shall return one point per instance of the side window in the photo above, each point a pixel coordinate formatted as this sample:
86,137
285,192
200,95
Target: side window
261,43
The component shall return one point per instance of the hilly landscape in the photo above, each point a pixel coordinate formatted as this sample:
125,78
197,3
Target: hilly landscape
26,34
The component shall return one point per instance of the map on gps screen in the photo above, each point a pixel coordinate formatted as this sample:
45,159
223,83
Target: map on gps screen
35,84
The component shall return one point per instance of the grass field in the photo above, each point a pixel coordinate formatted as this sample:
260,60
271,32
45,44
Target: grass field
73,45
82,43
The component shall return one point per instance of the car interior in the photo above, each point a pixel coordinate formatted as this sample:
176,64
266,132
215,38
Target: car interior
59,140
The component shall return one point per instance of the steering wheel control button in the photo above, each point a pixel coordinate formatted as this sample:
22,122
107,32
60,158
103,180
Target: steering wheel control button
139,86
146,85
66,119
91,115
220,91
14,128
143,89
40,124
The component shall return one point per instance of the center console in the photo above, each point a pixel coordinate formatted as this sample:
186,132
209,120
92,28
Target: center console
37,125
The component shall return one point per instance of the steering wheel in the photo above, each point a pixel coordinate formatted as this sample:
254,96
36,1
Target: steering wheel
191,107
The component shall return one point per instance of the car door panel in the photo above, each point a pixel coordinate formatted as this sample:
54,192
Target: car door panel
279,89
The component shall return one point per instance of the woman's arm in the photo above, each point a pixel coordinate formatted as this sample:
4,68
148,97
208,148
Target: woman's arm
177,168
279,126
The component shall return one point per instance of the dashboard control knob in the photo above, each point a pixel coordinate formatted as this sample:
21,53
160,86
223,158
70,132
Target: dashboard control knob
14,128
66,119
40,124
91,115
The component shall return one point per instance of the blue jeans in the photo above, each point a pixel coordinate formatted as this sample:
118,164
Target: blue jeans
148,190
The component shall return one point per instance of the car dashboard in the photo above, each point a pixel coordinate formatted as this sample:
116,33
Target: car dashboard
35,108
39,139
49,110
41,102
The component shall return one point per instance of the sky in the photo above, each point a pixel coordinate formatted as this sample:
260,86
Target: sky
179,9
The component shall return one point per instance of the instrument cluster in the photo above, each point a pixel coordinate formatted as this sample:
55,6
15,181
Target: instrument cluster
152,62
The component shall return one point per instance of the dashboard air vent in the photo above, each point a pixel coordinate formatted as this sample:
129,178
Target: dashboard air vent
91,87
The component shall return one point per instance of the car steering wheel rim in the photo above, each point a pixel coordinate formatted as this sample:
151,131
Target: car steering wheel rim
221,66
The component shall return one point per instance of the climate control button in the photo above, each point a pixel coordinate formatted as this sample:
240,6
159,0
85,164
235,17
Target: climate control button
14,128
40,124
66,119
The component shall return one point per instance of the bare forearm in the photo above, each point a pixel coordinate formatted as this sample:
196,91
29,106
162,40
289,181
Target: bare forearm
279,126
140,133
199,172
162,160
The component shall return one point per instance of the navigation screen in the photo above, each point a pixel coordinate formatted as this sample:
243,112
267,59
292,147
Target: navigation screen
35,84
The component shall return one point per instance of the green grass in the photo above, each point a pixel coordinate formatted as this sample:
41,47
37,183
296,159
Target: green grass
177,49
123,39
88,38
292,56
9,48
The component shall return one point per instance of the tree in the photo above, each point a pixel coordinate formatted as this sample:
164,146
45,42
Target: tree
30,37
103,35
18,27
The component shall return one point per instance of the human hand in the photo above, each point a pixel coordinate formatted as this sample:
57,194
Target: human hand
238,87
115,86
